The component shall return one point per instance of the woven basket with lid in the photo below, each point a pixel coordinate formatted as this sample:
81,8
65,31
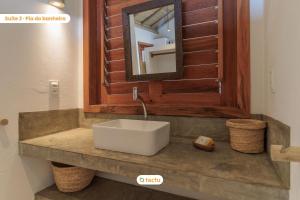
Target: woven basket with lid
71,179
247,135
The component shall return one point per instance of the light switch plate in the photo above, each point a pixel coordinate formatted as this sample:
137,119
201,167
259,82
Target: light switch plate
54,87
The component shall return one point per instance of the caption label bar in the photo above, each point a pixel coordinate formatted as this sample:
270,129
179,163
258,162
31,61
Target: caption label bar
34,18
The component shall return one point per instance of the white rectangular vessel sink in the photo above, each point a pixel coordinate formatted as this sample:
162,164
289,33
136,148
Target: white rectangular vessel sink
132,136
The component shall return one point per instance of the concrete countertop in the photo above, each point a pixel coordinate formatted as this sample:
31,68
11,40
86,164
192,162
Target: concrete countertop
223,174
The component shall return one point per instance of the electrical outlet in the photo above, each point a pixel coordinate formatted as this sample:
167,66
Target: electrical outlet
54,87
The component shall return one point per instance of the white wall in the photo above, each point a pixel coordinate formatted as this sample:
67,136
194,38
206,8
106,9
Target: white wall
30,55
143,35
275,40
258,83
283,61
163,30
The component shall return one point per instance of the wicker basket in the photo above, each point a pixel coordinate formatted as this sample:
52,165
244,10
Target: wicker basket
247,135
71,179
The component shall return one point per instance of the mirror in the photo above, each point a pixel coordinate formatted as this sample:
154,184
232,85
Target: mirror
153,40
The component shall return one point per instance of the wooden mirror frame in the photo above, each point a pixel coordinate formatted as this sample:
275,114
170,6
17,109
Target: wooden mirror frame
126,12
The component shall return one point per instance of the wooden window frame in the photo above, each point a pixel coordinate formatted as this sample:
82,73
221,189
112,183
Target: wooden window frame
236,86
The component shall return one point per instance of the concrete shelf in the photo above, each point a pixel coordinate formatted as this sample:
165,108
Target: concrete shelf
222,174
103,189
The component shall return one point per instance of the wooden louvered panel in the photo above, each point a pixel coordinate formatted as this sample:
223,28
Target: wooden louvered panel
190,5
125,99
118,76
117,65
126,87
192,104
190,58
220,41
191,44
201,43
115,32
189,86
200,30
192,72
115,20
199,58
203,71
114,2
190,17
117,54
203,99
199,16
116,9
115,43
197,32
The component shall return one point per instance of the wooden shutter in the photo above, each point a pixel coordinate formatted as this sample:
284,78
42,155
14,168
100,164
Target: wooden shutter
203,58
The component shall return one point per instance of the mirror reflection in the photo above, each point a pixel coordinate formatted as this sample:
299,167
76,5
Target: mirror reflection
153,46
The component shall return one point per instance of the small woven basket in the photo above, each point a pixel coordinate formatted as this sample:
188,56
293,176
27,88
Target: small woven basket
71,179
247,135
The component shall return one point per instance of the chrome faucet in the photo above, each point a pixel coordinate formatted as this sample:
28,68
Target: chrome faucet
137,97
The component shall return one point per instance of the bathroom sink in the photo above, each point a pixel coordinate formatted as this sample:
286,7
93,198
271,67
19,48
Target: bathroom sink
132,136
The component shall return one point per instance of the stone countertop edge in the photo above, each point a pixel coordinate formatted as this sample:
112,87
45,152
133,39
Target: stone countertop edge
109,162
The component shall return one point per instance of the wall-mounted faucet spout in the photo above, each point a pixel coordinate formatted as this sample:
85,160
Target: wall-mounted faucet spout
137,97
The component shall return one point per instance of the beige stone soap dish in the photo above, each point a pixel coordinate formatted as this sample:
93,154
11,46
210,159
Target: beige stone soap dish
204,143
